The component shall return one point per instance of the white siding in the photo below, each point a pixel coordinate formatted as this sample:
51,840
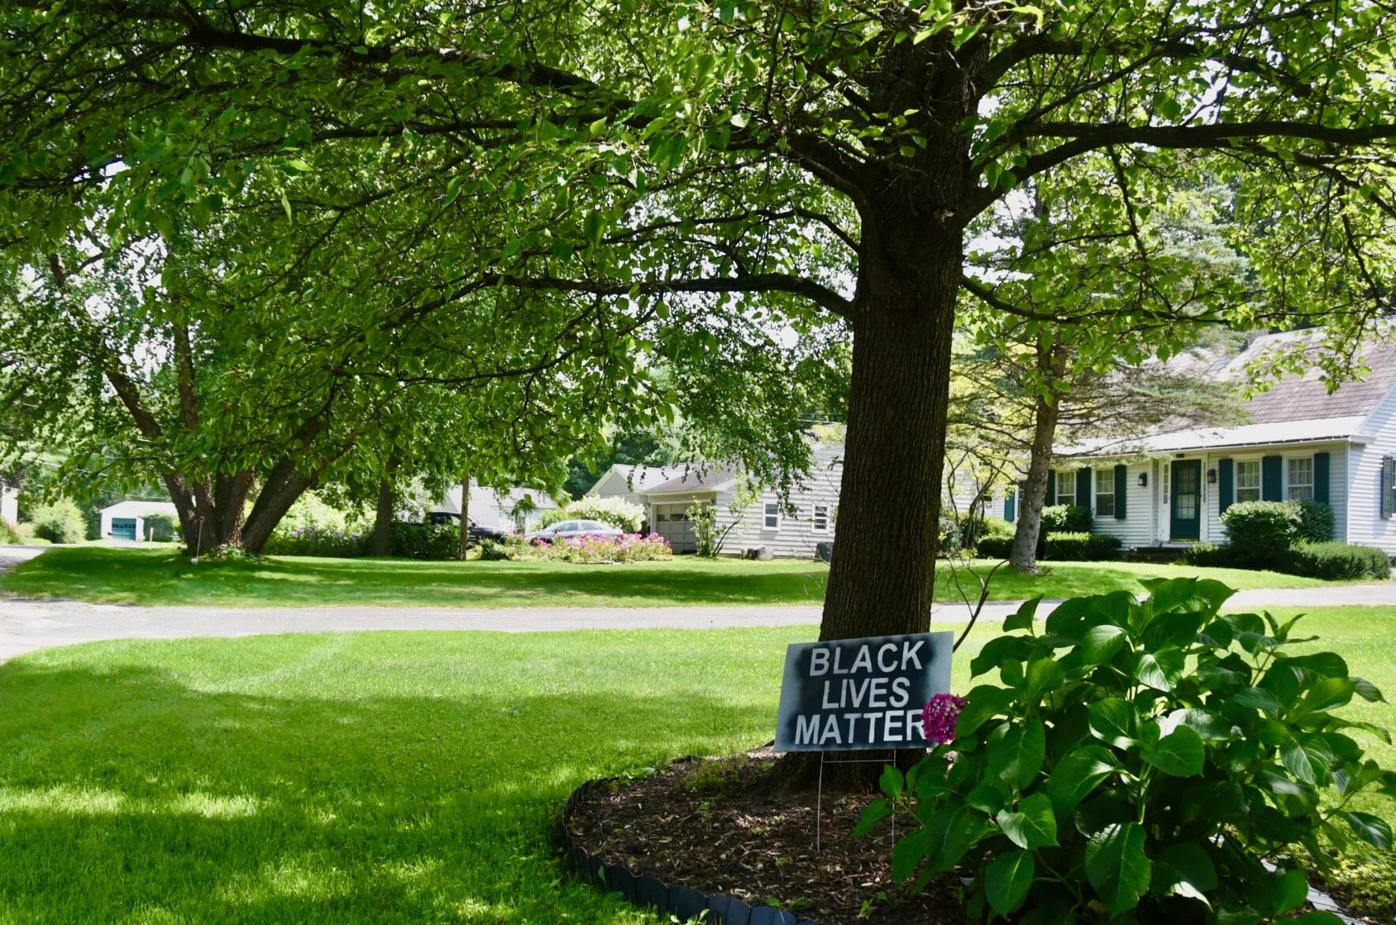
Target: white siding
1136,528
795,537
615,485
1366,526
9,505
1212,530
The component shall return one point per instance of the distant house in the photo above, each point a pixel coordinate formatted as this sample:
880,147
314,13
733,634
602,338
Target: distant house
125,520
9,504
516,510
1302,443
750,516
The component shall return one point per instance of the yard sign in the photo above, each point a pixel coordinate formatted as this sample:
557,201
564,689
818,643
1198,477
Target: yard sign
860,693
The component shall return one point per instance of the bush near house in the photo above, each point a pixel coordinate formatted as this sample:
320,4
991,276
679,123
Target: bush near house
1315,521
587,550
59,522
160,528
1260,533
9,533
617,512
996,542
315,540
1338,560
1080,547
1065,518
424,541
1141,762
1276,535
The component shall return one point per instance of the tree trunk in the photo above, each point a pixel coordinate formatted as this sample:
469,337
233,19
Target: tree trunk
283,488
381,542
464,516
882,578
1051,363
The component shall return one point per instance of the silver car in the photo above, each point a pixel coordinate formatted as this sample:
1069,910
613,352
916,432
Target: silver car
567,529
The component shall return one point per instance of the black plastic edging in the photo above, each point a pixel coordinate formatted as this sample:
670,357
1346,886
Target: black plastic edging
674,899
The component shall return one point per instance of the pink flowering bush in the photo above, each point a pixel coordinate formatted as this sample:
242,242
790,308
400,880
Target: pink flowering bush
590,550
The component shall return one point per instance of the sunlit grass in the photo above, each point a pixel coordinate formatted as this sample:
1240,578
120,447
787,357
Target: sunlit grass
385,777
145,576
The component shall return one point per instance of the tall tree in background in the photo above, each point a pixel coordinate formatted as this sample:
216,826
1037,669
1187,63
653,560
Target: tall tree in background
635,151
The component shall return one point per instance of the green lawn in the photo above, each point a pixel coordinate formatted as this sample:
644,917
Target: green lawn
157,576
380,777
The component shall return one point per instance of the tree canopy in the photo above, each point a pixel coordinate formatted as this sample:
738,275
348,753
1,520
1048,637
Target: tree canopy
690,175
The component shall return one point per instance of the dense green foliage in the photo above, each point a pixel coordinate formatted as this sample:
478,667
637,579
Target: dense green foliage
150,576
1259,533
60,521
1139,761
1338,560
1080,547
437,542
1066,518
315,540
582,550
1315,521
8,532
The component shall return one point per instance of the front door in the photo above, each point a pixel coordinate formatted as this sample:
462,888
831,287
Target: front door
1185,501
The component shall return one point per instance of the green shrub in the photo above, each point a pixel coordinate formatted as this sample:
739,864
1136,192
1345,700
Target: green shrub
617,512
160,528
997,539
1065,518
1337,560
1140,762
424,541
630,547
1207,554
316,540
59,522
1315,521
9,533
1081,547
1261,532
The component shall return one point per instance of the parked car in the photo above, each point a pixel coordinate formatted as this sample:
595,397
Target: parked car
567,529
477,532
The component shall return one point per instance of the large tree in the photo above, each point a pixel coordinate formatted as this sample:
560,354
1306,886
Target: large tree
817,158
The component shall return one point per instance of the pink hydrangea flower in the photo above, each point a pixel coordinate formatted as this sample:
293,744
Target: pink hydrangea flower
938,718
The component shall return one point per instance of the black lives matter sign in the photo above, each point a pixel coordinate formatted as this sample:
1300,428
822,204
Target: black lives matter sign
860,693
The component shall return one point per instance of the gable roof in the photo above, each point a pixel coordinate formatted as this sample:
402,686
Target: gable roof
1297,408
715,478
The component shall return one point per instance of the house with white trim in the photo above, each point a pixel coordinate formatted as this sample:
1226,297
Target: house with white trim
513,510
126,520
1301,443
9,504
748,516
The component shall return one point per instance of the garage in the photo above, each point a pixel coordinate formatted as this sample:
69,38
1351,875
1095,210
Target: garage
123,528
671,522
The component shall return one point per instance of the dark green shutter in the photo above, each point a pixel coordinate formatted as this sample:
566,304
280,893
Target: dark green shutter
1272,478
1051,498
1121,489
1010,499
1388,486
1321,477
1226,494
1083,488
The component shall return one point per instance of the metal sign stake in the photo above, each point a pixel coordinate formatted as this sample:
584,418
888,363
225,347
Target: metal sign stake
819,794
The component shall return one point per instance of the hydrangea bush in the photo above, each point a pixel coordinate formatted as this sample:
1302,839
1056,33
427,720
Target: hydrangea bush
1142,761
629,547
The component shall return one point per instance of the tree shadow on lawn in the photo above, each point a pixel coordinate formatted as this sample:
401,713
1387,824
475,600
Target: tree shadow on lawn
128,795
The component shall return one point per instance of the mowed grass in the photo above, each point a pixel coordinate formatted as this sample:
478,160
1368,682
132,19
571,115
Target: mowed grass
384,777
160,576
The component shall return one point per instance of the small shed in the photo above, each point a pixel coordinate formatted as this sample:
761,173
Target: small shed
125,520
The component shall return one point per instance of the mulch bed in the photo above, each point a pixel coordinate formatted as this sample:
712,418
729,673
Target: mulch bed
714,826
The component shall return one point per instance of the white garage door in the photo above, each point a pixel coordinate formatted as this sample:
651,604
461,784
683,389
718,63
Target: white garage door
672,523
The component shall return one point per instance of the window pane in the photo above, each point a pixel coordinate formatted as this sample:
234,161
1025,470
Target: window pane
1248,477
1105,481
1248,494
1105,504
1066,488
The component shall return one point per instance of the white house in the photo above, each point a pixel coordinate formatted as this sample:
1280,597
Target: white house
1302,443
516,510
125,520
9,504
749,516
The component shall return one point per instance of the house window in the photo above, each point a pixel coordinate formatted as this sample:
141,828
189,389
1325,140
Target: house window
1247,480
1301,478
1066,487
771,519
1105,491
821,518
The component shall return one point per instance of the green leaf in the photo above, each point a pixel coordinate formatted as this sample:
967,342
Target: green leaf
1102,643
982,704
1185,870
1077,775
1288,890
1180,753
1016,751
1315,918
1159,670
740,120
1022,618
1007,879
1371,829
1044,676
286,205
1033,825
1327,694
1113,721
1117,867
873,813
908,853
891,783
591,227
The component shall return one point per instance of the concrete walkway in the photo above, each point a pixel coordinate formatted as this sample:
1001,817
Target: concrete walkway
29,625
